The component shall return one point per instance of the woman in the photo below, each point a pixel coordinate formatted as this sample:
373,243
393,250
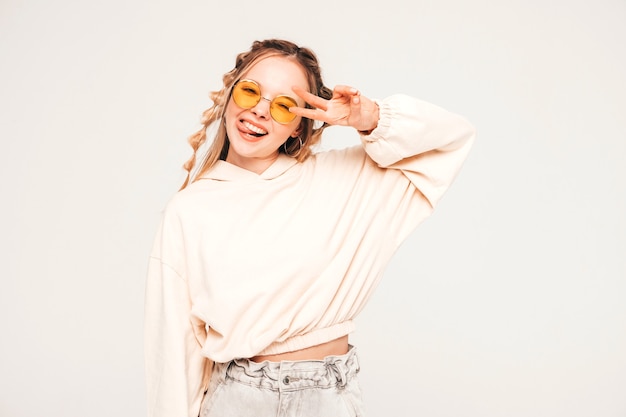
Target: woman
269,251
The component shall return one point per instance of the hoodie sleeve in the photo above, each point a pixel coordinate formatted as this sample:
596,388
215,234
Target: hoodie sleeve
427,143
176,371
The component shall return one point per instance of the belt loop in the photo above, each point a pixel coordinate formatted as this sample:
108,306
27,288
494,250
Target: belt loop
227,367
339,371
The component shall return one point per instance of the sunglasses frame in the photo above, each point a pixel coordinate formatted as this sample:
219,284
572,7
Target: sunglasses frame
272,101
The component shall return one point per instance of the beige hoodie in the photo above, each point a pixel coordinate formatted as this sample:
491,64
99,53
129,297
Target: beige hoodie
246,264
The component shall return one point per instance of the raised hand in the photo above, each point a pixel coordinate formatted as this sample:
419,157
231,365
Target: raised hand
346,108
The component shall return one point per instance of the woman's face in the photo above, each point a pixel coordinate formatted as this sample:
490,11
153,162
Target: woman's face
254,136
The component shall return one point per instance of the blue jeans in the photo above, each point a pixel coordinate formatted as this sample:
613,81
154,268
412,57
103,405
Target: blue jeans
316,388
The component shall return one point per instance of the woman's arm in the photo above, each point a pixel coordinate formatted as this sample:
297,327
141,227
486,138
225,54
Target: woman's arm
405,165
427,143
176,371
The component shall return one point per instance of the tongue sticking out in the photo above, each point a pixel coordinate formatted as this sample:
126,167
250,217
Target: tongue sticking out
253,130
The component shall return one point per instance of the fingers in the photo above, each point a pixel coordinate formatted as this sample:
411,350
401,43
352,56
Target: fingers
320,103
312,99
345,90
355,105
343,108
308,113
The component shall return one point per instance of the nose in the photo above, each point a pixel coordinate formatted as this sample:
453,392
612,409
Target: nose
262,109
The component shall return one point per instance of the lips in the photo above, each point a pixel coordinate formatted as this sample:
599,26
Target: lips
253,130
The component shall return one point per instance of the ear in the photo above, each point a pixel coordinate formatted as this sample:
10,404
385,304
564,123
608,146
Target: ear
297,132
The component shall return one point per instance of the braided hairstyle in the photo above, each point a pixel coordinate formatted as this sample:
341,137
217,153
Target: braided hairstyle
218,149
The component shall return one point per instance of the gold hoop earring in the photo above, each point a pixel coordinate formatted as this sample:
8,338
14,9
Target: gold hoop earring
297,151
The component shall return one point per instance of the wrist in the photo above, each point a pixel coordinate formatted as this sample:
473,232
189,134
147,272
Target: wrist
373,124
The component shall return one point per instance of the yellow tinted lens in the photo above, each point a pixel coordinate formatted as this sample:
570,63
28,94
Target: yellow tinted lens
279,109
246,94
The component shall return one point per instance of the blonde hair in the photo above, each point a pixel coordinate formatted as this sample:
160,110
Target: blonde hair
310,135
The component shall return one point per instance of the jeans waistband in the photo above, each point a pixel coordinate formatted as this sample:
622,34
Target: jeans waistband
332,371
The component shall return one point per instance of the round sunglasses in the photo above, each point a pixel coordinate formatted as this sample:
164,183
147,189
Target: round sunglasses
247,94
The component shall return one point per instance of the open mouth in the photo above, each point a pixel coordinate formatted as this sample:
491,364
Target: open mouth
253,130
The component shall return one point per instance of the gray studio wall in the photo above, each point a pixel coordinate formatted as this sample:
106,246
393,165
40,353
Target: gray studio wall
508,301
